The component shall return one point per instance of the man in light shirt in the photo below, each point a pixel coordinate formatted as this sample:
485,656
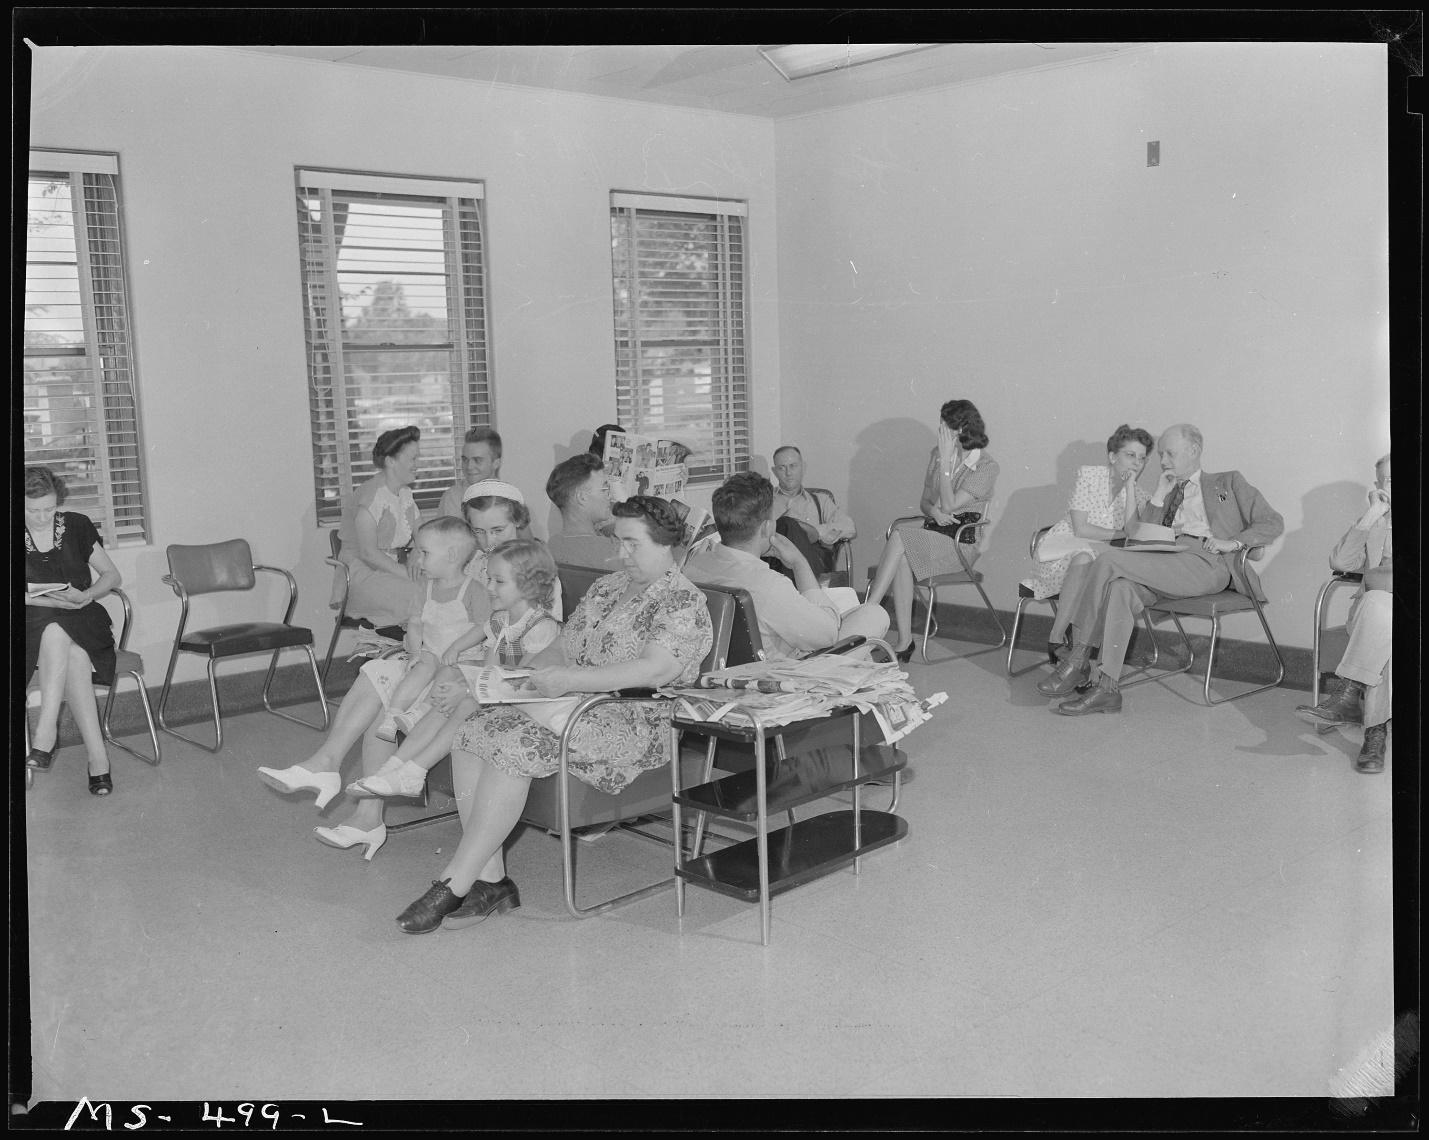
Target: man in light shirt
480,460
1211,516
810,518
794,618
580,490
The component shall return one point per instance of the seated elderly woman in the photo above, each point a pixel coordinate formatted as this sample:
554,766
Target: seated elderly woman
496,512
377,527
68,635
959,473
1105,499
644,625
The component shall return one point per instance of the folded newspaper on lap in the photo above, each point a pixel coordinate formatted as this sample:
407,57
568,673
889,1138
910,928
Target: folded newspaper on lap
780,692
493,686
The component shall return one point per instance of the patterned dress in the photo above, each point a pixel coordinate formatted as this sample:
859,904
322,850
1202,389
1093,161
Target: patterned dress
614,743
1104,504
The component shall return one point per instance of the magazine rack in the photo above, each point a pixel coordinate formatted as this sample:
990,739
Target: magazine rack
772,862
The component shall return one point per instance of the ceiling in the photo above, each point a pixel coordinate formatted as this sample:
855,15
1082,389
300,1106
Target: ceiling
725,77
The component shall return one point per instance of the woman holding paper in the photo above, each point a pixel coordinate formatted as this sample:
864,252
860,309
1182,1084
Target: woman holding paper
69,638
646,625
1106,499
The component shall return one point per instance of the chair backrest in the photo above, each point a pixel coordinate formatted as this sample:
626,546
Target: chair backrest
335,541
575,581
745,643
722,607
1036,540
213,566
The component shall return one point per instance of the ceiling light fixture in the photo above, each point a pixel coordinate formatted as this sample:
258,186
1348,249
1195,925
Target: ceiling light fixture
798,61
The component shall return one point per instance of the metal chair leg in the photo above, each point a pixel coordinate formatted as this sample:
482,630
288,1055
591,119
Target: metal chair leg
148,718
317,680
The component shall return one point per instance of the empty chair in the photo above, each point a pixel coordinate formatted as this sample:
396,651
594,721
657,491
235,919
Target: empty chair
220,567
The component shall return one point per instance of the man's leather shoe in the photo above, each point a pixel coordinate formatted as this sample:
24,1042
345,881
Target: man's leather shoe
1070,675
1371,757
1344,706
1098,700
482,900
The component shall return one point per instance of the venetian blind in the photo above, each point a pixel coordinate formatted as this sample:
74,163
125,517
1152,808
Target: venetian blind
80,409
394,312
680,323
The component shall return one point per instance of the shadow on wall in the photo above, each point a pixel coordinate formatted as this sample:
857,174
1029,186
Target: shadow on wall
885,481
1327,511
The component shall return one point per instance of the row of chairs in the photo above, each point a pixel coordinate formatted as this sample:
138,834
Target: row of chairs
939,561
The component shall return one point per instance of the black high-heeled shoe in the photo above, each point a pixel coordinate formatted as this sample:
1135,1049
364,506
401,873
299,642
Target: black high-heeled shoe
100,785
40,759
906,655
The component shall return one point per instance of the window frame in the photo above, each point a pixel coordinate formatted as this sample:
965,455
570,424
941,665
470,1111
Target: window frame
331,408
119,506
731,390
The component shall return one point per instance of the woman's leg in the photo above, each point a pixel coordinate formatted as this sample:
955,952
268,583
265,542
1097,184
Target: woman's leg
53,670
893,571
490,802
83,706
358,712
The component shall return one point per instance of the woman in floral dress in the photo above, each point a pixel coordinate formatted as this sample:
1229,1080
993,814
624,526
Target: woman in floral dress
645,625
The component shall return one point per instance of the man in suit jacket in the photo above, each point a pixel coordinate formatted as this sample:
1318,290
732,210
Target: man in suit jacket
1365,694
1213,515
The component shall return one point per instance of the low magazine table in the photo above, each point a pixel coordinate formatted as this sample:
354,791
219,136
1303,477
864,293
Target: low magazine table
775,861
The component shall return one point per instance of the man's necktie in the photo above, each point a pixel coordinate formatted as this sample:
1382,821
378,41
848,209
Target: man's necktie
1173,503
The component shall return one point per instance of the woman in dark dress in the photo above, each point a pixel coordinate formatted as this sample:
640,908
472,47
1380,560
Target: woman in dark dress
68,634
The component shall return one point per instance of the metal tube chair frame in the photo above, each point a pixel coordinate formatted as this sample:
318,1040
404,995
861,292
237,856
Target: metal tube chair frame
130,664
1024,598
213,637
1213,607
966,576
1336,580
843,554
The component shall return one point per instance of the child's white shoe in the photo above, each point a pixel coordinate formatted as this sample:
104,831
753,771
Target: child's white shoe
404,778
387,729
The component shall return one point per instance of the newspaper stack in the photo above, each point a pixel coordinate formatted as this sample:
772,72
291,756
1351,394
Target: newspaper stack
370,643
781,692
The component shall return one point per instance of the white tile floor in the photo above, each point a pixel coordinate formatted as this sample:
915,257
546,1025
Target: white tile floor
1173,902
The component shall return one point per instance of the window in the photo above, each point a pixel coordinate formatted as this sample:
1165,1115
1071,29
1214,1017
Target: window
80,415
394,308
680,369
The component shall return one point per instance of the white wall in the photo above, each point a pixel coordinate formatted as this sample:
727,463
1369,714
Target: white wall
1002,241
208,140
1005,241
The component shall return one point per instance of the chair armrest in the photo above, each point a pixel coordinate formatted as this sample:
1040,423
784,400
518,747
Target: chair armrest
292,589
842,646
177,586
1036,540
1348,576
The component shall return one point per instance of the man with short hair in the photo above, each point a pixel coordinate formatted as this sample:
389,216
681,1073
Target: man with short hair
480,460
1213,516
581,492
810,519
794,618
1364,693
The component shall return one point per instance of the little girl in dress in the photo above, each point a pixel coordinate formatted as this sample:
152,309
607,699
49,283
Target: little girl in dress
522,584
445,620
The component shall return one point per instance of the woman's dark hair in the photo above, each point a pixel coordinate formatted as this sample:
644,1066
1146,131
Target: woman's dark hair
597,441
1128,434
663,524
532,569
41,481
389,443
519,513
966,421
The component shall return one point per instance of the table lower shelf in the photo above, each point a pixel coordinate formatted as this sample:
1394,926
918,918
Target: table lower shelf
799,853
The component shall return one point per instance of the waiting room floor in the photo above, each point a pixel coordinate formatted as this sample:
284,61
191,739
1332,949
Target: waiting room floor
1173,902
